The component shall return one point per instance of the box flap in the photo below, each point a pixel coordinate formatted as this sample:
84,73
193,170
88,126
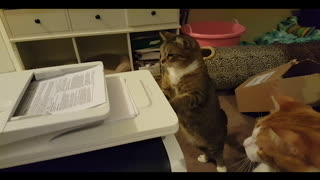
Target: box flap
302,82
299,80
269,75
305,89
14,85
303,68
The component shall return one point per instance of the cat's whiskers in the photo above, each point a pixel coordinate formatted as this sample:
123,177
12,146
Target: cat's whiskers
249,166
260,115
246,165
242,166
240,161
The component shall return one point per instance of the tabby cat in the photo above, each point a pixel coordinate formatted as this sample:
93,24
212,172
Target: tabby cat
287,140
191,92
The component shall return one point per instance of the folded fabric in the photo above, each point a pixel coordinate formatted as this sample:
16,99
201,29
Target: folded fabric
288,31
291,26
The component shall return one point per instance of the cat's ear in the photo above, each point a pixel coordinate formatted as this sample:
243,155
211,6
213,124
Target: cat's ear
278,99
283,103
276,106
186,42
165,35
180,41
289,104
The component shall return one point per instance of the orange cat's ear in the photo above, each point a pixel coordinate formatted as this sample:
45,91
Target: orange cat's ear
275,105
284,103
165,35
279,100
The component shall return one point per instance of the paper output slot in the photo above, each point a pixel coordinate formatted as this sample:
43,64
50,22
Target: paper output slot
22,96
15,86
78,129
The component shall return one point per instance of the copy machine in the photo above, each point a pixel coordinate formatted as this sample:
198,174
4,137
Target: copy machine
98,112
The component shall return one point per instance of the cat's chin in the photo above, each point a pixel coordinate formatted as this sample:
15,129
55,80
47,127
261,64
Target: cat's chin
263,168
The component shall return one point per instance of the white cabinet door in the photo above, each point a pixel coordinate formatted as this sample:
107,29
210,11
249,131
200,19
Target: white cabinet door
5,61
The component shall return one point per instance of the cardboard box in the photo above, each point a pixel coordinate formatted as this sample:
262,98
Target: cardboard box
300,80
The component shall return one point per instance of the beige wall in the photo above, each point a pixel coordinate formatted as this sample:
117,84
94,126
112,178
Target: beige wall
257,21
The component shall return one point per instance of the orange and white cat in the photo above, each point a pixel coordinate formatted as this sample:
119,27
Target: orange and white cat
287,140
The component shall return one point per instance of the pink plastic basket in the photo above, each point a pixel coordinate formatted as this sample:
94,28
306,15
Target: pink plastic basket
215,33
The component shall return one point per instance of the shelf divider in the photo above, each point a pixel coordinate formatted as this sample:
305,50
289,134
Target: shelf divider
130,51
76,50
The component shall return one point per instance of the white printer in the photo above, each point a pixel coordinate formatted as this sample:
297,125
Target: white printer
130,108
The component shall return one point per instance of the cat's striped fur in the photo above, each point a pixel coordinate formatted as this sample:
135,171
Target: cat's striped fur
191,93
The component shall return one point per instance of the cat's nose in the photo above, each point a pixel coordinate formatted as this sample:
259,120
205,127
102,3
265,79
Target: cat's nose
247,142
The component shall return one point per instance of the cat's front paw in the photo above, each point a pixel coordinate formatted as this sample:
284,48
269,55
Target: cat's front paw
167,93
221,168
203,158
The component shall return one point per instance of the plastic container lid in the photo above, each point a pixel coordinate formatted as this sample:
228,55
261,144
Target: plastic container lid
213,29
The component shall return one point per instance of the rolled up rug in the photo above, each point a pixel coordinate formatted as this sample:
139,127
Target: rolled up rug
231,66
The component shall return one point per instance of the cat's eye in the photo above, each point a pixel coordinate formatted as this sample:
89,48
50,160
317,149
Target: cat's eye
175,55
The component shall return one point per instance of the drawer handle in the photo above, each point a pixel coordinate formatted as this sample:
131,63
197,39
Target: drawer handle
98,16
153,13
37,21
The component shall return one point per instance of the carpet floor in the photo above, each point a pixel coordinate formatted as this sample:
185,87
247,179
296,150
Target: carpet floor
240,126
